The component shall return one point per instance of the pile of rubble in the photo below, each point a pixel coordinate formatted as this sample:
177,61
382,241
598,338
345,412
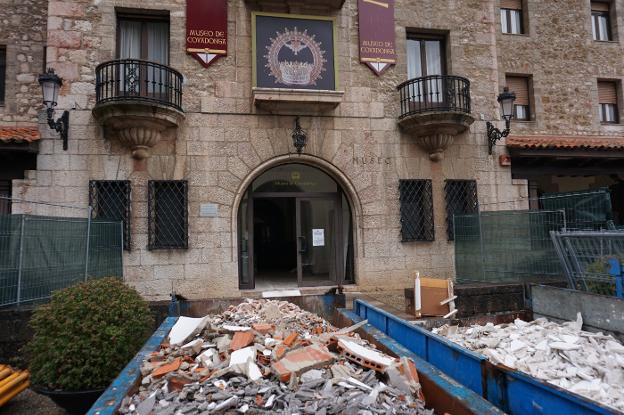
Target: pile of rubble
590,364
266,356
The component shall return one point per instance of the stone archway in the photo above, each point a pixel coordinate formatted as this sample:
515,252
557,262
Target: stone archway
299,212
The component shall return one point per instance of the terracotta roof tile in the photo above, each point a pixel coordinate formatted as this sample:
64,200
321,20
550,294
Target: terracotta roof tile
566,142
19,134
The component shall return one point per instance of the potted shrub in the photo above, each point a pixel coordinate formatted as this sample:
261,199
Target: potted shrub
83,338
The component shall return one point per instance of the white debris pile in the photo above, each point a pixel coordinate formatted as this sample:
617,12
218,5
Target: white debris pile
590,364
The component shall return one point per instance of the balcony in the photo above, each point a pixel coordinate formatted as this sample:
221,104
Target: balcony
434,109
137,100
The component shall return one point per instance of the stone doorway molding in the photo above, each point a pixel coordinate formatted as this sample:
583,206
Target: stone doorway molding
343,181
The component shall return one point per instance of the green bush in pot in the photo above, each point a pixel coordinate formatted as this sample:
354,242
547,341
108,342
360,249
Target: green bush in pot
86,335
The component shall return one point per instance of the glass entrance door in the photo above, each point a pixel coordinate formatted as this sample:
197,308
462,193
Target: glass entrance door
316,241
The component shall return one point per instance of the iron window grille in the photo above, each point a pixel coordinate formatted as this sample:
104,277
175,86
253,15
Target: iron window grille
168,214
461,198
110,200
416,200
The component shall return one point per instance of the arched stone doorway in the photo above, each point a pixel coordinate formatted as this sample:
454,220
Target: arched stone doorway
295,228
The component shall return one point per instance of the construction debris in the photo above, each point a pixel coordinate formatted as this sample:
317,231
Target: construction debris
266,356
590,364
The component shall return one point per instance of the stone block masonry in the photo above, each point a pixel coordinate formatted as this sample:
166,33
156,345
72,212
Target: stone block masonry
225,141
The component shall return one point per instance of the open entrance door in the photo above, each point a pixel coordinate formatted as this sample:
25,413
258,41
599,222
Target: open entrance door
294,230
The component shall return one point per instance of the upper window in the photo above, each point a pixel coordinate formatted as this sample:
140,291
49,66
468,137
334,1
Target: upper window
168,214
511,16
601,21
425,56
522,105
2,73
608,100
143,37
110,200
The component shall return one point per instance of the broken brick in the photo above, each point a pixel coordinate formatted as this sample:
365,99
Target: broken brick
241,339
164,369
292,337
300,360
279,351
176,383
263,328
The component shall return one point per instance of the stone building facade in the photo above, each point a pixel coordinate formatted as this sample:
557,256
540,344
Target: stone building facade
224,141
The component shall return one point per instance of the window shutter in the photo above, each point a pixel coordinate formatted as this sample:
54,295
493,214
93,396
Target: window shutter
416,208
520,86
599,6
607,93
511,4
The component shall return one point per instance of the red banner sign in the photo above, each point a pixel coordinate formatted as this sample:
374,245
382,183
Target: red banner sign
377,37
206,29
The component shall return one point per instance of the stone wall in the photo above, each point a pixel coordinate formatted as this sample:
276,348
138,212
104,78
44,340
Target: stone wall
558,51
224,139
23,33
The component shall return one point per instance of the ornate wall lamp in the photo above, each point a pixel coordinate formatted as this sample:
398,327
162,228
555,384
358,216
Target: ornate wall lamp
299,136
50,85
506,100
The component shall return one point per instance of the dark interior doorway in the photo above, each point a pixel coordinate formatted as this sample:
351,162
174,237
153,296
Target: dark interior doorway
275,239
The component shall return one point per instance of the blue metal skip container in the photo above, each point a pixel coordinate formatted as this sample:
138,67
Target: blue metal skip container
513,392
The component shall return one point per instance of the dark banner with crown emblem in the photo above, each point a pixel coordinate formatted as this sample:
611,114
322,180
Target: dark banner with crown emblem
206,30
377,37
292,51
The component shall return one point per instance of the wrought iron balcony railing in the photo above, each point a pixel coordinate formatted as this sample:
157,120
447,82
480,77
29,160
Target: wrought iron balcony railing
138,80
435,93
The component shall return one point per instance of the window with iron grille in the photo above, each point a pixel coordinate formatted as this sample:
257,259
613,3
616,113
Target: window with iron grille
416,201
168,214
461,198
110,200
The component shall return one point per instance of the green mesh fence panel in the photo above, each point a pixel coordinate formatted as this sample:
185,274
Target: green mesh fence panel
41,254
507,246
584,210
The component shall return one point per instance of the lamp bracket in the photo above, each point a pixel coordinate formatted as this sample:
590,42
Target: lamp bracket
494,134
61,125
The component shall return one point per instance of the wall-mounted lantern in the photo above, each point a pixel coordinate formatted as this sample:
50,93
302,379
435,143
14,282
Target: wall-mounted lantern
50,85
506,100
299,136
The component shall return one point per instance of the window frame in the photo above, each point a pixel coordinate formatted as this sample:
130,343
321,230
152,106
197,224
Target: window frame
448,194
144,17
95,192
425,199
507,13
616,105
153,239
528,79
606,14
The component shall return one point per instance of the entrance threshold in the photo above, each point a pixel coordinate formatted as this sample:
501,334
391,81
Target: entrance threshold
289,292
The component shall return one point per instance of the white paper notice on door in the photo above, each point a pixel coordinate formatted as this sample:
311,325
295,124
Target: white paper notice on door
318,237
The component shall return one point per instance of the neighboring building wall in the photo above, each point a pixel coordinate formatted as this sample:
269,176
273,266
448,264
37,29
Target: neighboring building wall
559,52
23,30
224,138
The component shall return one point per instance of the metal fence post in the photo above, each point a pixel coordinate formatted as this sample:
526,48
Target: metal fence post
121,247
21,259
86,273
615,270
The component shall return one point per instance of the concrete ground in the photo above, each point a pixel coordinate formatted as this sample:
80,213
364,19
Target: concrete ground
31,403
